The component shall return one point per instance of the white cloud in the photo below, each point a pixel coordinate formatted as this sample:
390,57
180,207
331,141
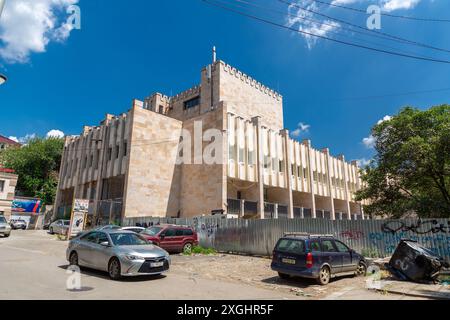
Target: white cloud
386,118
302,19
28,26
13,138
363,162
301,128
392,5
24,139
55,134
369,142
321,26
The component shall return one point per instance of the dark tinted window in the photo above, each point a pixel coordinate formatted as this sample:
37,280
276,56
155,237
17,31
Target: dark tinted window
291,246
314,246
188,232
101,237
152,231
169,233
341,247
91,237
192,103
2,219
327,246
179,232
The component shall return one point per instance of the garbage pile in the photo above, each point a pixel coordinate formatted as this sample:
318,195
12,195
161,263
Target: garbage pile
413,262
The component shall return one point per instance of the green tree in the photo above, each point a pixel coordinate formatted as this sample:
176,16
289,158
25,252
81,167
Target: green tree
37,164
411,170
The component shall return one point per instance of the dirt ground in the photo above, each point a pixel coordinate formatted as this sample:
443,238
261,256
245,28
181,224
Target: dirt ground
255,271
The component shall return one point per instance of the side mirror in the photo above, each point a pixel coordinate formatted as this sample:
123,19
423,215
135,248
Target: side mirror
104,243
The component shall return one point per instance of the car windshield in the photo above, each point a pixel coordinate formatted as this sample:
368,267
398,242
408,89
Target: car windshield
2,220
152,231
127,239
67,223
291,246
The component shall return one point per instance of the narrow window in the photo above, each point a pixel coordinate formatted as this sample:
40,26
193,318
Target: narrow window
125,149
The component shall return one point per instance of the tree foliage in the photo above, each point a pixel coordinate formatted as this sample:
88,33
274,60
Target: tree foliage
37,164
411,170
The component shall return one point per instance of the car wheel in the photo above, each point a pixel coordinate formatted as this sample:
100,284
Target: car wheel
361,270
324,276
73,259
283,275
114,269
187,248
23,228
7,235
51,230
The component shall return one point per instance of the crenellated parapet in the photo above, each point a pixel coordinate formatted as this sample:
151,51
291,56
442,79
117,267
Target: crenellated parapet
187,93
248,80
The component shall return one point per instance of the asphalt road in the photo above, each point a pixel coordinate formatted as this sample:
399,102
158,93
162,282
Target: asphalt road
33,266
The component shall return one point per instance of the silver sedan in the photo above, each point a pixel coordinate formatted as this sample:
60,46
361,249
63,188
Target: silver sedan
120,253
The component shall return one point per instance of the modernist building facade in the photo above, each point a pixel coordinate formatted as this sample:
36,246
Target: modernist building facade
129,165
8,180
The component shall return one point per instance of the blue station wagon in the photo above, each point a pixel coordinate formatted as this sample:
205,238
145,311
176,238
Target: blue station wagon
319,257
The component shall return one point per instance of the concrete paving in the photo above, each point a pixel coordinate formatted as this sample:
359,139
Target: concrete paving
33,266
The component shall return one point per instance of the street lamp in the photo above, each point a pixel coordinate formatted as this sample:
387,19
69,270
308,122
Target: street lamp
2,79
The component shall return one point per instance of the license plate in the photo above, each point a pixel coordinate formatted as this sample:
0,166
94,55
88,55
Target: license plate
156,264
288,261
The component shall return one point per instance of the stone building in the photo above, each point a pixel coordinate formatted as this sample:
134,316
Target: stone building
8,182
129,165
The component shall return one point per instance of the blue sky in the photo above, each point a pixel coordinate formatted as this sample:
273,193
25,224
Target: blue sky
63,79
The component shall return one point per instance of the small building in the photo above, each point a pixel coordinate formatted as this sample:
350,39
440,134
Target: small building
219,146
8,182
6,142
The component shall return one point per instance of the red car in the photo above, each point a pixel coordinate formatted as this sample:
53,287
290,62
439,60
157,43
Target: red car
172,238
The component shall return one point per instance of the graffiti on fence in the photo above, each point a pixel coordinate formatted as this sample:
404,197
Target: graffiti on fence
421,227
209,229
352,234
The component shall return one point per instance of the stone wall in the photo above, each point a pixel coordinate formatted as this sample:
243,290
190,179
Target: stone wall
204,185
248,98
153,183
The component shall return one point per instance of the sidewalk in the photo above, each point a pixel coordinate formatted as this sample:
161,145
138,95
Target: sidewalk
412,289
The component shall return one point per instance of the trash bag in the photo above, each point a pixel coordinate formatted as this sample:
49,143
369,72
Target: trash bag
413,262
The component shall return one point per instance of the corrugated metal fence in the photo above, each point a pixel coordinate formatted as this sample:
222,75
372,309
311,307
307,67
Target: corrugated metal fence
373,238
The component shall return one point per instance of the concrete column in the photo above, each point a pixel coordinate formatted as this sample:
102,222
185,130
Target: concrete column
307,143
288,164
330,186
242,208
260,166
275,210
358,186
61,178
347,200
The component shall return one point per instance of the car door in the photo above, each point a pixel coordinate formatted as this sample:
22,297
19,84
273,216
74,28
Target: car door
331,255
347,263
84,248
179,239
99,254
167,239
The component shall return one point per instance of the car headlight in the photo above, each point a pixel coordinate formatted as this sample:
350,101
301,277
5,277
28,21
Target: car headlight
131,257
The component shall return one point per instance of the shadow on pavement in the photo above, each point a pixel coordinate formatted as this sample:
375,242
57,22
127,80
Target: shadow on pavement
298,282
104,275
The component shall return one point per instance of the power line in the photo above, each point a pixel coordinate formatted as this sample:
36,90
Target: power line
382,13
365,29
331,25
390,95
324,37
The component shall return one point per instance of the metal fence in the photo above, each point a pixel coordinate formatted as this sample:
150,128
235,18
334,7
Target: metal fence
373,238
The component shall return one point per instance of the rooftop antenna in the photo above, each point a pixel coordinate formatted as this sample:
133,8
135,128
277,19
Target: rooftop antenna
214,54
